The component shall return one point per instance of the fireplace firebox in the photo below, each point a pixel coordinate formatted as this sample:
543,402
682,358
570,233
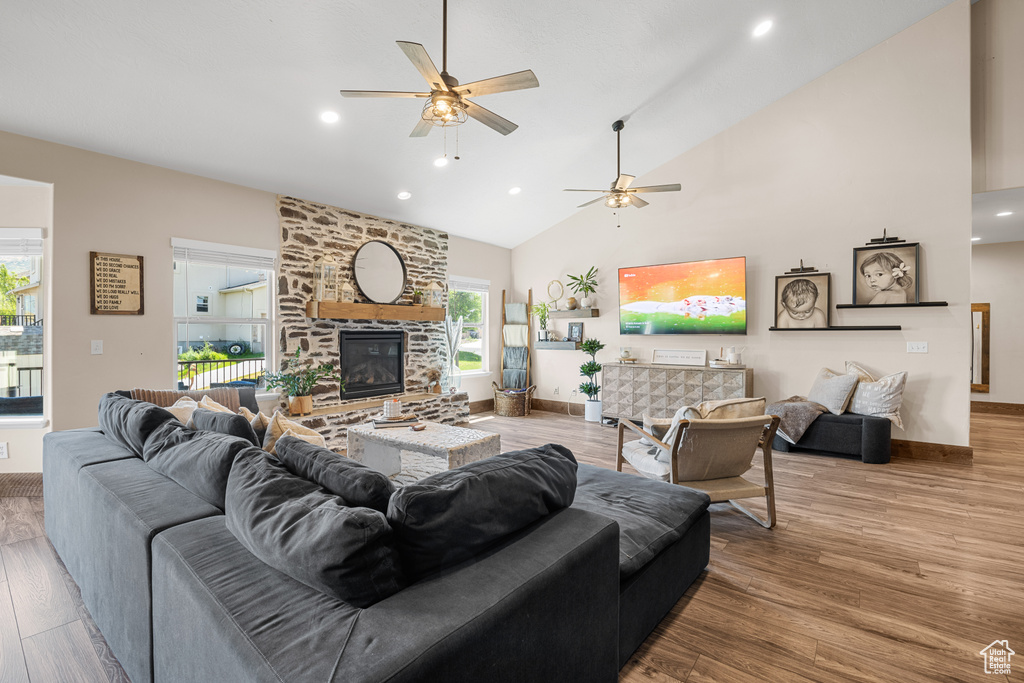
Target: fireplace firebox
372,363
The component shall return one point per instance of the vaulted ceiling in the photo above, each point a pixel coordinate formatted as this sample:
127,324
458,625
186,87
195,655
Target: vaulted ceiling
234,89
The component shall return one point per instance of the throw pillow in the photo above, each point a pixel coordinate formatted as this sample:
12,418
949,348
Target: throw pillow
224,423
877,397
656,427
298,528
452,516
353,482
210,404
259,422
280,425
130,423
197,460
833,390
183,409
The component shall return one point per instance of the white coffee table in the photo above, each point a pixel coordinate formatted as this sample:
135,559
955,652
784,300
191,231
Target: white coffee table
382,449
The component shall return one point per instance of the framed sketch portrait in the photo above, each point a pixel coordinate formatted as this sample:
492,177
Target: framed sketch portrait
887,274
803,300
576,332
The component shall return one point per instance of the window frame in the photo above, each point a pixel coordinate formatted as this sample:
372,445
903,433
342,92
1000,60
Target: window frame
482,287
27,242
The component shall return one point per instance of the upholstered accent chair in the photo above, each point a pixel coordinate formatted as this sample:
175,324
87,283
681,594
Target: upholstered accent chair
709,454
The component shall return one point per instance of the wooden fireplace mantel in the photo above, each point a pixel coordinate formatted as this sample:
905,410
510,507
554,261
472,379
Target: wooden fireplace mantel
337,310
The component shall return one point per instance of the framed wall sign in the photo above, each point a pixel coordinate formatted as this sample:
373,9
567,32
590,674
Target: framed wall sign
681,356
117,284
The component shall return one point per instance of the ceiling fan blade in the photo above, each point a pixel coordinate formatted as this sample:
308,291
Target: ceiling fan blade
658,188
381,93
520,80
592,201
637,202
421,129
417,54
574,190
623,181
489,118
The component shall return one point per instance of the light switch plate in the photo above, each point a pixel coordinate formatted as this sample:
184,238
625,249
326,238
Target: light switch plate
917,347
97,347
3,450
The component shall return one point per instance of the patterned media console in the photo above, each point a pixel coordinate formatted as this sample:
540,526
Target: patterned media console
630,391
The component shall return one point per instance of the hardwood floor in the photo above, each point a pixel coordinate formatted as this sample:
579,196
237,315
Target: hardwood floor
899,572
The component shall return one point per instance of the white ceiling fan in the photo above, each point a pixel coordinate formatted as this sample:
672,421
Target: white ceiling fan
621,194
449,103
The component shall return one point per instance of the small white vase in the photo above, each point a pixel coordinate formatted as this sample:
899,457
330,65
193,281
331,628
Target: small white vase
587,302
542,335
592,411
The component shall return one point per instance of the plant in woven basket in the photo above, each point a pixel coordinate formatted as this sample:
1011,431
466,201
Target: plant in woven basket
590,368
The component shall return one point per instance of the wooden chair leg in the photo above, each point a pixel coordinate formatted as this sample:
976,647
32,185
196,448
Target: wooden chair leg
618,452
767,524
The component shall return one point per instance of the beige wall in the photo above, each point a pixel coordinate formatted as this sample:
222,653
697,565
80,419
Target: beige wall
24,206
882,141
469,258
997,81
103,203
997,278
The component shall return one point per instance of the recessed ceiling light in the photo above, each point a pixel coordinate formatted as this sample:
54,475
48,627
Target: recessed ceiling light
404,195
330,117
1004,213
441,162
762,28
515,190
975,239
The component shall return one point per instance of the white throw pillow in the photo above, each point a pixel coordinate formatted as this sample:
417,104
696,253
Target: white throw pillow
210,404
833,390
258,421
183,409
877,397
281,426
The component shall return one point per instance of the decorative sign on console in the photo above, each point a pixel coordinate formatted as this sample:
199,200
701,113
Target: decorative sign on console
697,357
116,284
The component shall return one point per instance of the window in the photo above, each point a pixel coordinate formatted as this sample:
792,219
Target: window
223,299
467,298
21,322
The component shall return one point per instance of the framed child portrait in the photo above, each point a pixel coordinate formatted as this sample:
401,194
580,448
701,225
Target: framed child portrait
576,332
803,300
887,274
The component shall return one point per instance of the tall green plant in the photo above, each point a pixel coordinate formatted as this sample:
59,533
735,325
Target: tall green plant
590,368
585,284
541,311
298,378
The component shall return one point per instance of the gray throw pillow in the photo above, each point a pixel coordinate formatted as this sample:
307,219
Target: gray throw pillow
130,423
833,390
454,515
197,461
224,423
356,484
299,529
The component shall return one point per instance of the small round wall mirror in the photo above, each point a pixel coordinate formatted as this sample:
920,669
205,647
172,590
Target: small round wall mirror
379,272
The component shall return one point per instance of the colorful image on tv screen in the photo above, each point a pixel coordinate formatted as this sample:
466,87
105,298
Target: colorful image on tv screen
700,297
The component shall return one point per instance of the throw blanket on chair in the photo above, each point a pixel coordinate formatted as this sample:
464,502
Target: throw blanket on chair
796,414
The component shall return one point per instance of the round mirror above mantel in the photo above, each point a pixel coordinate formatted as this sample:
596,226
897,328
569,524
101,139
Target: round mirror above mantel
379,272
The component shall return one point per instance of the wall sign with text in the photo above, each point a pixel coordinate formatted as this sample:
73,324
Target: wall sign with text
117,284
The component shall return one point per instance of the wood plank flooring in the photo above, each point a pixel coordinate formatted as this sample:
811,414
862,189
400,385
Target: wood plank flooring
899,572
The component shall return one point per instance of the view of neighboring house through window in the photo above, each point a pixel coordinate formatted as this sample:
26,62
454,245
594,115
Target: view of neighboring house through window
467,298
223,304
21,323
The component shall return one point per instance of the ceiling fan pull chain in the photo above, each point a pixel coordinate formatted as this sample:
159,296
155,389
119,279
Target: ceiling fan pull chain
456,144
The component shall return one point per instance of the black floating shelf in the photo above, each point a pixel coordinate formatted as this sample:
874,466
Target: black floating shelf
835,327
922,303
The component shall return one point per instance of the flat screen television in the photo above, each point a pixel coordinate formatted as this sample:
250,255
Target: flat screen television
698,297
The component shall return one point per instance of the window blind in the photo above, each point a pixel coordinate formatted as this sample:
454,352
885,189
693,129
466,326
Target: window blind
223,254
469,284
21,241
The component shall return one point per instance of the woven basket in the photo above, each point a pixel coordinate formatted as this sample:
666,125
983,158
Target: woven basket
512,405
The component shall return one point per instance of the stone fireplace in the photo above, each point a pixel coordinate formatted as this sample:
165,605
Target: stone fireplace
372,363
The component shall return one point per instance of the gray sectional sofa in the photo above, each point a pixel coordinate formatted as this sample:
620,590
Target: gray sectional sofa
179,597
866,437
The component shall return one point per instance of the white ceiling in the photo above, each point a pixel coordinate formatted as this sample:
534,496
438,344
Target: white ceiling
991,228
233,89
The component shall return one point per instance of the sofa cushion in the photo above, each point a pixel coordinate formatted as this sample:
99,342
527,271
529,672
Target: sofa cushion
833,390
299,529
280,425
224,423
353,482
129,422
652,515
258,421
453,515
198,461
877,397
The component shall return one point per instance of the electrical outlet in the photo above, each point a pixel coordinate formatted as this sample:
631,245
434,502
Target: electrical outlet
556,391
97,347
917,347
3,450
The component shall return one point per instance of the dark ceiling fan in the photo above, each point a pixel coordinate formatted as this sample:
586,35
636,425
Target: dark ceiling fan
621,194
449,103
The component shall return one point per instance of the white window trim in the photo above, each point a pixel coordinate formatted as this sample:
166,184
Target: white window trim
24,422
22,242
481,286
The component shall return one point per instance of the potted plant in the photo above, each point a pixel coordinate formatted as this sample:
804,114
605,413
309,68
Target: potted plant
541,310
590,387
298,379
586,285
417,298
